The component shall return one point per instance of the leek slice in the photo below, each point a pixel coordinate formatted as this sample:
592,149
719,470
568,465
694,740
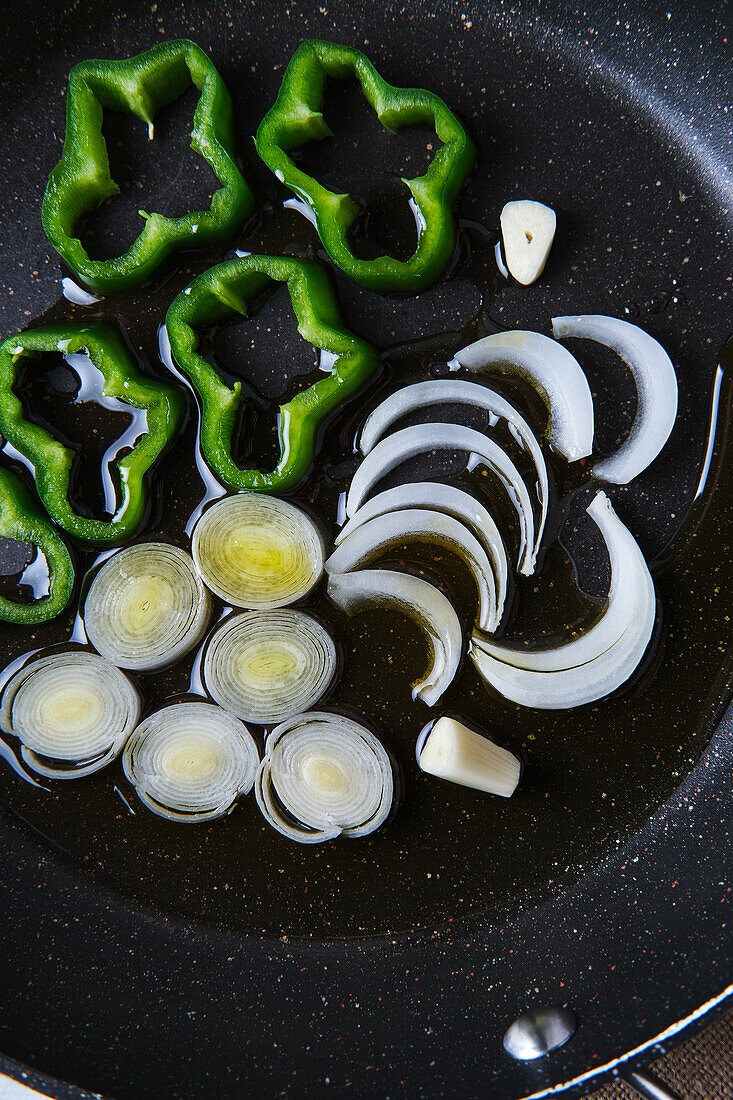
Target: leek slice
257,551
71,710
190,761
265,666
324,776
146,607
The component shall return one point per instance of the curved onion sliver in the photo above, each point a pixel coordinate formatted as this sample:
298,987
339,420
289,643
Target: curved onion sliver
422,438
656,387
71,710
421,601
631,588
146,607
454,502
423,525
324,776
190,761
439,391
610,667
553,372
266,666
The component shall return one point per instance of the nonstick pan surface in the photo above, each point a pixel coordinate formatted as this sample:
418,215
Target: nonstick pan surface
139,962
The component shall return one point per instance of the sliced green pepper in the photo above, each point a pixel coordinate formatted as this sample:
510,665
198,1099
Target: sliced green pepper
21,519
227,290
82,179
296,118
52,462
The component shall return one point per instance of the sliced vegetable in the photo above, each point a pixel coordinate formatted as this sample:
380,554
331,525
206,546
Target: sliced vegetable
528,230
97,353
297,118
422,438
610,652
440,391
81,180
422,602
21,519
450,750
553,372
71,710
324,776
146,607
266,666
453,502
631,588
190,761
257,551
231,291
423,525
656,388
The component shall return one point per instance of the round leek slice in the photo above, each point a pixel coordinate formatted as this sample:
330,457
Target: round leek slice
323,776
190,761
72,711
265,666
257,551
146,607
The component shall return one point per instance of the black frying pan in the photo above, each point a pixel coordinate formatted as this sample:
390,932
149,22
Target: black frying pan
131,972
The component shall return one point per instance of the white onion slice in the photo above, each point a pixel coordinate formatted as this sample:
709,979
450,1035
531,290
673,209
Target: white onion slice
553,372
265,666
631,588
424,603
656,388
255,550
423,438
454,502
614,660
146,607
324,776
190,761
72,711
422,525
441,391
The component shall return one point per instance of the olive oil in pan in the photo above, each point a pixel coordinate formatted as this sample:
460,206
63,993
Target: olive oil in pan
592,774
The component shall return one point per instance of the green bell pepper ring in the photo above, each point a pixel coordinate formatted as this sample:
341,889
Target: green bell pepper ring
21,519
227,290
165,408
82,180
296,118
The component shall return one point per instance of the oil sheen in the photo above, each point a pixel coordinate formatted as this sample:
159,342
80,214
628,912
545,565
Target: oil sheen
591,776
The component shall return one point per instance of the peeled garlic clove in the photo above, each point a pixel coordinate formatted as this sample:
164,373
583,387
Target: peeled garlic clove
450,750
528,230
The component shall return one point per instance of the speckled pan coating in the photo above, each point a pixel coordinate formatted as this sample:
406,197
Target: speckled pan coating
186,998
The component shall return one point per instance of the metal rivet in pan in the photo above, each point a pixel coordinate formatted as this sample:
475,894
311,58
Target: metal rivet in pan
538,1032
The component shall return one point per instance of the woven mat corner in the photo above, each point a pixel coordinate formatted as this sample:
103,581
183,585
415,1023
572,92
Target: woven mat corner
701,1068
